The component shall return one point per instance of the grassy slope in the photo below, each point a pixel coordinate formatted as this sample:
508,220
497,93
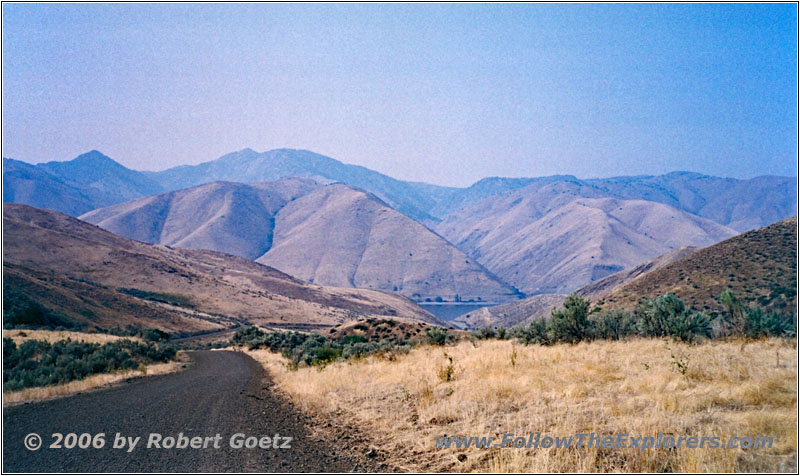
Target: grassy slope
729,388
760,266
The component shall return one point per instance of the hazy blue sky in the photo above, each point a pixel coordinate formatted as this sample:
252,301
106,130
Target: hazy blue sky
439,93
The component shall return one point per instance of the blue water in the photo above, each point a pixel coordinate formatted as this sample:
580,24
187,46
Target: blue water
450,311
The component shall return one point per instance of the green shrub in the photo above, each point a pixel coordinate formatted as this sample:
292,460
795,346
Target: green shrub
353,339
758,323
155,335
667,316
436,335
533,333
569,323
38,363
613,325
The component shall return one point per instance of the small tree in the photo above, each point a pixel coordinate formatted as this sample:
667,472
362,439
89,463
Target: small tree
735,312
666,316
436,335
613,325
570,323
533,333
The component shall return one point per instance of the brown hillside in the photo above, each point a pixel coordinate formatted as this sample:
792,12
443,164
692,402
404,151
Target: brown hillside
82,262
334,235
558,237
759,266
606,285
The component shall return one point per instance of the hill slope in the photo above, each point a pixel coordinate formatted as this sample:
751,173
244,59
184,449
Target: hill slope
29,184
343,236
60,262
760,266
606,285
233,218
333,235
738,204
548,238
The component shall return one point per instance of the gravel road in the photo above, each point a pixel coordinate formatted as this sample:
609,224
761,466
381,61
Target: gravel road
220,393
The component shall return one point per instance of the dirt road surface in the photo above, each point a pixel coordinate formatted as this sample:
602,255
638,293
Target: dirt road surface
220,393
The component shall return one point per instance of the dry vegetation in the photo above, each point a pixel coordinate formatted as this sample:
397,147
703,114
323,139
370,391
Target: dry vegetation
92,382
89,383
19,336
641,387
760,266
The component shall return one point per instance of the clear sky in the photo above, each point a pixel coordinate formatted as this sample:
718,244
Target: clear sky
441,93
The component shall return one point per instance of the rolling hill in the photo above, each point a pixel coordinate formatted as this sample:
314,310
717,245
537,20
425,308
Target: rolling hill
558,236
333,235
99,279
759,266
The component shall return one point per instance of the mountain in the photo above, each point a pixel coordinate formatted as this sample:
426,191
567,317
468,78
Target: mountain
100,279
344,236
333,234
484,188
29,184
759,266
231,217
250,166
557,235
89,181
739,204
93,180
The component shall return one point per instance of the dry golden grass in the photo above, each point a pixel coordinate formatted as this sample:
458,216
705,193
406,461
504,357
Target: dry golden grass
728,389
92,382
19,336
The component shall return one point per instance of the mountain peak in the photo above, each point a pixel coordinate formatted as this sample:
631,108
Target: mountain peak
94,156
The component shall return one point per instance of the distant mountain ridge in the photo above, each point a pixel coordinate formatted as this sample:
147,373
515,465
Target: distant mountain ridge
335,234
249,166
91,180
555,236
739,204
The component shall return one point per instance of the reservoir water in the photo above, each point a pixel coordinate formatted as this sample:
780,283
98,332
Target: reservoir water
449,311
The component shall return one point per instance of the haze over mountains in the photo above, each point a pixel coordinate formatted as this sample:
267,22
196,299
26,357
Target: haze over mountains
346,225
85,183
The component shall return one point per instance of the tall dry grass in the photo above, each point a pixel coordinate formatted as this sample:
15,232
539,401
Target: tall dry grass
641,387
20,335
